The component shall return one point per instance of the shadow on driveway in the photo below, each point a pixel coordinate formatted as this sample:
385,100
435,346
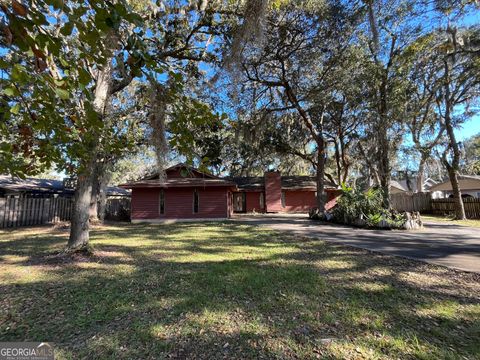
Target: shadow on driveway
453,246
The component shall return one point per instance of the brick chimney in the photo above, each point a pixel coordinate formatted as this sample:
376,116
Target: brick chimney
273,191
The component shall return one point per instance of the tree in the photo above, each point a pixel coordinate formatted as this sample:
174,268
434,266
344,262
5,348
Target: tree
393,25
457,93
471,161
64,61
290,70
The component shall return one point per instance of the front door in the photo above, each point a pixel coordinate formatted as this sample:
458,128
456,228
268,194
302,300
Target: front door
239,202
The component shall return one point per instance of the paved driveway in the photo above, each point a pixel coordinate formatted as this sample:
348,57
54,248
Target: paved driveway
443,244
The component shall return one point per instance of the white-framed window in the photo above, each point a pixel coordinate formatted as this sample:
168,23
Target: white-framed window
196,201
262,200
283,198
161,202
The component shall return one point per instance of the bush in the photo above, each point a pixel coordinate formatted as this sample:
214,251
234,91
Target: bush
365,209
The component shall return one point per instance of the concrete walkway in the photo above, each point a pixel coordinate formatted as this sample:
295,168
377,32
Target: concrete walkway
449,245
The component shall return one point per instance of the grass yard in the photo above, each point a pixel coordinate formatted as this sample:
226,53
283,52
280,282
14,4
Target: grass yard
221,290
438,218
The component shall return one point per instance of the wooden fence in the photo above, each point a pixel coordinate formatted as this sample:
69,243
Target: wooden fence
421,202
118,208
27,211
447,207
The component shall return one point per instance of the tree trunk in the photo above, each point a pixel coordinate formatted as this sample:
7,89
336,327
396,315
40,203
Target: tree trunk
80,225
93,211
421,174
457,195
452,167
384,166
79,231
321,176
102,196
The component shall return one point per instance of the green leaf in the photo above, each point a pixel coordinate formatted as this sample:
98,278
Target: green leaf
18,73
67,29
10,91
84,77
62,94
15,109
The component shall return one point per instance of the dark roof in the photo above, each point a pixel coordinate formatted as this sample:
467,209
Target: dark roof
288,183
249,182
45,186
303,182
180,182
189,169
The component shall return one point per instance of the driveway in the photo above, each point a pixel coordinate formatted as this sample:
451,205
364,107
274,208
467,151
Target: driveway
449,245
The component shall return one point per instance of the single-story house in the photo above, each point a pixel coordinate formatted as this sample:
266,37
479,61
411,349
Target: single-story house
13,186
469,186
396,187
187,193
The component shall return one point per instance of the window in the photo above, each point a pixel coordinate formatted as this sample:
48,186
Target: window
195,201
262,201
161,202
283,198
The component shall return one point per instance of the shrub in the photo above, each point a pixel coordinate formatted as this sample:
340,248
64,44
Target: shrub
365,208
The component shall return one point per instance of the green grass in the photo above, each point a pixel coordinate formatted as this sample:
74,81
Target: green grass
222,290
439,218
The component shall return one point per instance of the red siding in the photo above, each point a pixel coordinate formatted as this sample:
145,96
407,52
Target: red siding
273,192
145,203
213,203
303,201
299,201
332,198
253,201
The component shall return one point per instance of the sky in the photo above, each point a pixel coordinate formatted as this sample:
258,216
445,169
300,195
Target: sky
470,128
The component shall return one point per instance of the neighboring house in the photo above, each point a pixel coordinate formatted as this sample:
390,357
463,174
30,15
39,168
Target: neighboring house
410,185
11,186
187,193
469,186
396,187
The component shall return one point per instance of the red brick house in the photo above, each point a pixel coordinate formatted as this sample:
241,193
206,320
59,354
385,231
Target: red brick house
188,193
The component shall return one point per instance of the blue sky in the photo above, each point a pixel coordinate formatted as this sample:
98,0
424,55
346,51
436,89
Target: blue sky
470,128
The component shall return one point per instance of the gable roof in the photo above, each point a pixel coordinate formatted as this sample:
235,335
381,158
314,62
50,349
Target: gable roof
190,170
201,179
466,182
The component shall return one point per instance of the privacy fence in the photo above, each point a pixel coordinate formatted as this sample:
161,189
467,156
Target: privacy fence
412,202
447,206
424,203
16,211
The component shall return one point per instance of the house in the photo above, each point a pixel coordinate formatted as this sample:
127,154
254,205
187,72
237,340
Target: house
396,187
33,187
187,193
275,193
410,185
469,186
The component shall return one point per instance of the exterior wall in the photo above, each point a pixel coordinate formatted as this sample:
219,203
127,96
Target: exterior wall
332,198
144,203
213,203
474,193
253,201
273,192
299,201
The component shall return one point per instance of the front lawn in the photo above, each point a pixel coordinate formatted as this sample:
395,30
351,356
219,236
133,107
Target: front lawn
447,219
228,290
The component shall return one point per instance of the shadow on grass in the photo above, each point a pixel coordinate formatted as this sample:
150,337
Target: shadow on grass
235,291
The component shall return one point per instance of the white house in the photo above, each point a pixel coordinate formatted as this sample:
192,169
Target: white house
469,186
